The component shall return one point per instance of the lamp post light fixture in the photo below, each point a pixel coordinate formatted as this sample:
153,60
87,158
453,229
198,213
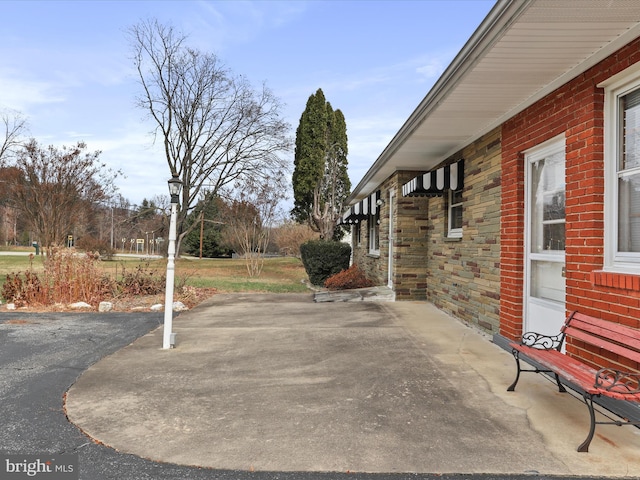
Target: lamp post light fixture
175,187
168,339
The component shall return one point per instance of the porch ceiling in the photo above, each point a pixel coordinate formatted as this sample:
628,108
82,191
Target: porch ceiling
523,50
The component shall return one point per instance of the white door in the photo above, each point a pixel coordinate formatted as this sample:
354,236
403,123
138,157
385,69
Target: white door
391,237
544,305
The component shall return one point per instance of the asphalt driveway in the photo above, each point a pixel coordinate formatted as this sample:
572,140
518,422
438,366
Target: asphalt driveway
41,356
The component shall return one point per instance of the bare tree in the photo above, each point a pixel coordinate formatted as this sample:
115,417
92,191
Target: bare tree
14,126
250,220
216,130
55,188
11,223
289,235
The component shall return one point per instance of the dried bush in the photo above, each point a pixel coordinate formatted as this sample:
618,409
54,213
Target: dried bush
68,277
352,277
92,244
22,289
73,277
143,280
289,236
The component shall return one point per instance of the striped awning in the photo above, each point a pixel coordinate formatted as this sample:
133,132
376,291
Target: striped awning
361,210
435,182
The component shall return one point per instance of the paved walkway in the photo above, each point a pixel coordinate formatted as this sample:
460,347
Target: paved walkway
280,383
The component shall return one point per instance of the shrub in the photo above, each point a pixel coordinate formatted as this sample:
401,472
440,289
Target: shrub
321,259
67,277
91,244
22,289
73,277
289,236
353,277
141,281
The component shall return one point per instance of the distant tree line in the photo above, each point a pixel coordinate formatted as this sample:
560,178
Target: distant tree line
225,140
65,196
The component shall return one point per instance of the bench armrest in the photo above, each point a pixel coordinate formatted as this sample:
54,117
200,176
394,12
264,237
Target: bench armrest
618,381
542,342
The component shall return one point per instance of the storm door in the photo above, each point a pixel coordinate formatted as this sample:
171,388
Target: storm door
544,305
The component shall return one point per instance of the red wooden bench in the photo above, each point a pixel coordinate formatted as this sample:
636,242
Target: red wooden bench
545,351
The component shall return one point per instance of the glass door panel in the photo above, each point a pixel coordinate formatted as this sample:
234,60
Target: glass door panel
545,206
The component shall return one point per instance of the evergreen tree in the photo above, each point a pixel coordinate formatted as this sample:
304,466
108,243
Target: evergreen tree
147,210
209,225
320,179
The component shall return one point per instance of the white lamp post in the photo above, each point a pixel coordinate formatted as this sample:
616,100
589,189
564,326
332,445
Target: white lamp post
175,185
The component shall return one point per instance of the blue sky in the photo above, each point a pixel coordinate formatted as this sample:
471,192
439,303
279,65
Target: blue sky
65,65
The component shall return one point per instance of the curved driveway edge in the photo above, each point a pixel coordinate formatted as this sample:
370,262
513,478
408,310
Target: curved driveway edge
279,383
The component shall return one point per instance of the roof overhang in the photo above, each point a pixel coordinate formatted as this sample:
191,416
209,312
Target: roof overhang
522,51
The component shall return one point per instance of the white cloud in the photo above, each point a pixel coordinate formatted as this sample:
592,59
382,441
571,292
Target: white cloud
368,137
21,93
431,70
218,25
80,135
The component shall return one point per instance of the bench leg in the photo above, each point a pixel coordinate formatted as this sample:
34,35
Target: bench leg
588,399
516,355
561,388
512,387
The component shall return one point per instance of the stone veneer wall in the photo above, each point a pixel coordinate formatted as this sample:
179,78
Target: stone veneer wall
461,276
464,274
411,248
375,266
361,257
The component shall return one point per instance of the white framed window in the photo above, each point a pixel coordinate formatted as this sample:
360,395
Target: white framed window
374,234
455,214
546,174
622,171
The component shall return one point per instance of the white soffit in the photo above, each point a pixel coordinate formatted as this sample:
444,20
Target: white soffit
521,52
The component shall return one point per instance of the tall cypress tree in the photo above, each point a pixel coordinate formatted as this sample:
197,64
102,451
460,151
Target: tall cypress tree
320,179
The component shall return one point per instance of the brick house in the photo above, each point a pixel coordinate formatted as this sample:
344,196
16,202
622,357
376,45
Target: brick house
511,195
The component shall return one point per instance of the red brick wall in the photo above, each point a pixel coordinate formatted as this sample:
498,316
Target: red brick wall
575,110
